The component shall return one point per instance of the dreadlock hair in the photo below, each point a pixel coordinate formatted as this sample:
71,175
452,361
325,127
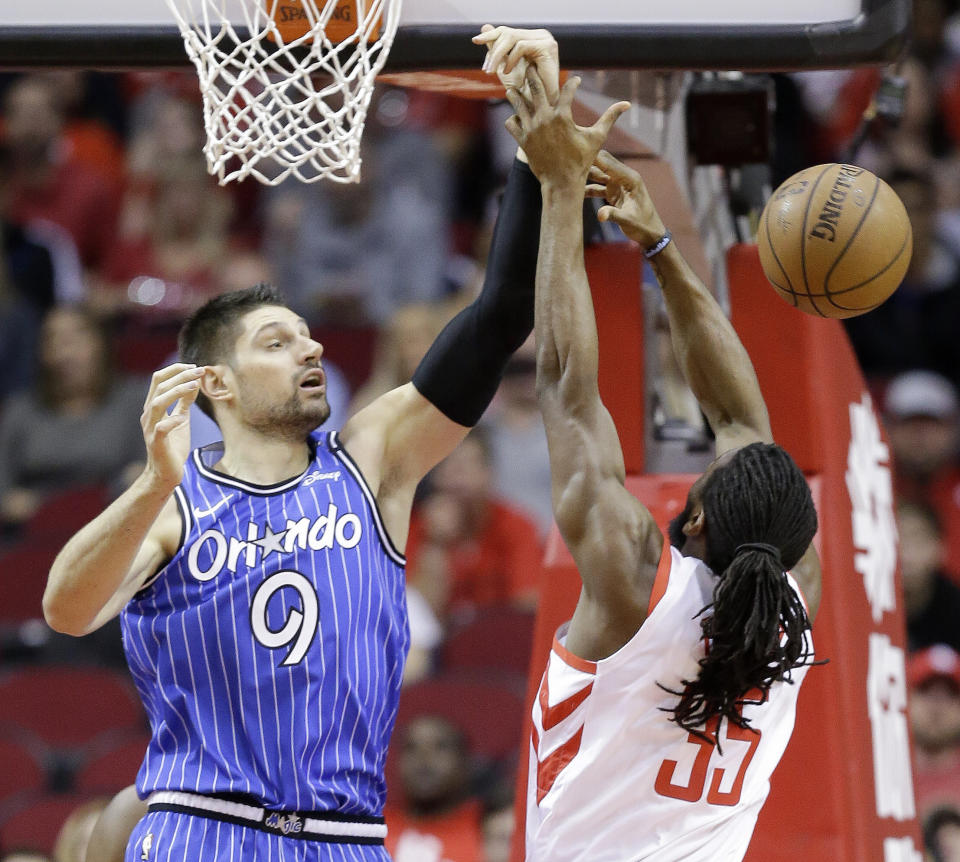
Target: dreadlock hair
760,519
210,334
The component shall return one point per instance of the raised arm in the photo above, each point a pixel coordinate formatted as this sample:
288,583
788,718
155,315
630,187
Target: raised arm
611,535
107,562
711,356
403,434
713,359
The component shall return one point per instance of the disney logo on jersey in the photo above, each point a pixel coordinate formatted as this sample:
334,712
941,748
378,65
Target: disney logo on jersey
213,552
317,476
288,824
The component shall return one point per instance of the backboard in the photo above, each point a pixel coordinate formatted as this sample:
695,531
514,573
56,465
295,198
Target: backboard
749,35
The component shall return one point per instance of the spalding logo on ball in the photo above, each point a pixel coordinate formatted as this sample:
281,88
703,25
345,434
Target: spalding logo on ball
835,240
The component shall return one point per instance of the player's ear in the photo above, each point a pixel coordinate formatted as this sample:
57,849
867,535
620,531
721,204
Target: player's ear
695,523
216,382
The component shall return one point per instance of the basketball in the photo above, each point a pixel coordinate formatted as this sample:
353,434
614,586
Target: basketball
835,240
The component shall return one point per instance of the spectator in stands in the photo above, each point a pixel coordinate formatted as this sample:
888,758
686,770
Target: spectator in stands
439,819
915,328
166,126
467,548
931,598
499,821
426,634
172,241
941,835
46,181
933,676
38,267
518,443
922,417
94,113
351,254
74,835
80,423
401,344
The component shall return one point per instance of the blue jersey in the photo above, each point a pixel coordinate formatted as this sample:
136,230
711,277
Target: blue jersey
269,651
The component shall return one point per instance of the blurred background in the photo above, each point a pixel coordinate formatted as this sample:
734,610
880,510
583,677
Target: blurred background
111,232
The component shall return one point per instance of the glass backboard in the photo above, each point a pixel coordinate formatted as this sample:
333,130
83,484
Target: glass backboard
435,34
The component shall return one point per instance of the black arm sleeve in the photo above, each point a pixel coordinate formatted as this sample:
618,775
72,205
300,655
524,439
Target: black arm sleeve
462,369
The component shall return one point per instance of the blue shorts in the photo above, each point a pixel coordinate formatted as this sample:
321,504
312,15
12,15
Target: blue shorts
173,836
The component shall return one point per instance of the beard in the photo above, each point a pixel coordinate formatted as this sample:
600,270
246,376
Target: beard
292,419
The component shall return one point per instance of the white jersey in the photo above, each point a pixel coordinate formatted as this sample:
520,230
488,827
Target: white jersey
613,779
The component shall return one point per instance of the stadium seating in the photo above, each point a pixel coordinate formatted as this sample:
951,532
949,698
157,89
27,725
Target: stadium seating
112,765
68,706
61,515
35,822
498,640
21,771
23,576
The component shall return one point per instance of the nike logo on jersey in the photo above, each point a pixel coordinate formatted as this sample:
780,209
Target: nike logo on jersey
202,513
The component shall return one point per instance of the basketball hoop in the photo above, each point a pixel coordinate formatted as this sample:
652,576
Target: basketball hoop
286,83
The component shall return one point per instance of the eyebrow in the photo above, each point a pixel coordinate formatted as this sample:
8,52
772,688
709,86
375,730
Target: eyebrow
282,323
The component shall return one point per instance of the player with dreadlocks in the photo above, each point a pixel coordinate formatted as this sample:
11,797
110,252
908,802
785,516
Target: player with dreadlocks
670,696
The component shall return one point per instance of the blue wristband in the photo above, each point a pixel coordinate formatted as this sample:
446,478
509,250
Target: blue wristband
659,246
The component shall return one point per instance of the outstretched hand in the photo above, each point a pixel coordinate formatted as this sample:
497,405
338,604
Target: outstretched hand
557,148
628,202
167,432
511,50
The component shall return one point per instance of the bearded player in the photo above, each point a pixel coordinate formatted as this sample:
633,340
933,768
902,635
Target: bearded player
260,581
670,696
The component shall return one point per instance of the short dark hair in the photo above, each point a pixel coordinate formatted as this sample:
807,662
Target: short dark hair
938,818
756,624
209,335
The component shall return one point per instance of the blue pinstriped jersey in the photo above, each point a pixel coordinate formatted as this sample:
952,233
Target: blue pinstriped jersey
269,651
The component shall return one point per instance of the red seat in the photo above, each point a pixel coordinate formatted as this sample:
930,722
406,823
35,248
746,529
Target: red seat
23,576
35,823
61,515
144,349
499,639
21,770
69,706
112,766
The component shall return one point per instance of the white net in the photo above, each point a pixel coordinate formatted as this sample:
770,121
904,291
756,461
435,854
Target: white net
286,83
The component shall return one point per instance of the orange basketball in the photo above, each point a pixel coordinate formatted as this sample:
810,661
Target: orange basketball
294,20
835,240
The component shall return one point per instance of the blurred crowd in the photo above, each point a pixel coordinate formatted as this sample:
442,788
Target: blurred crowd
910,353
111,232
